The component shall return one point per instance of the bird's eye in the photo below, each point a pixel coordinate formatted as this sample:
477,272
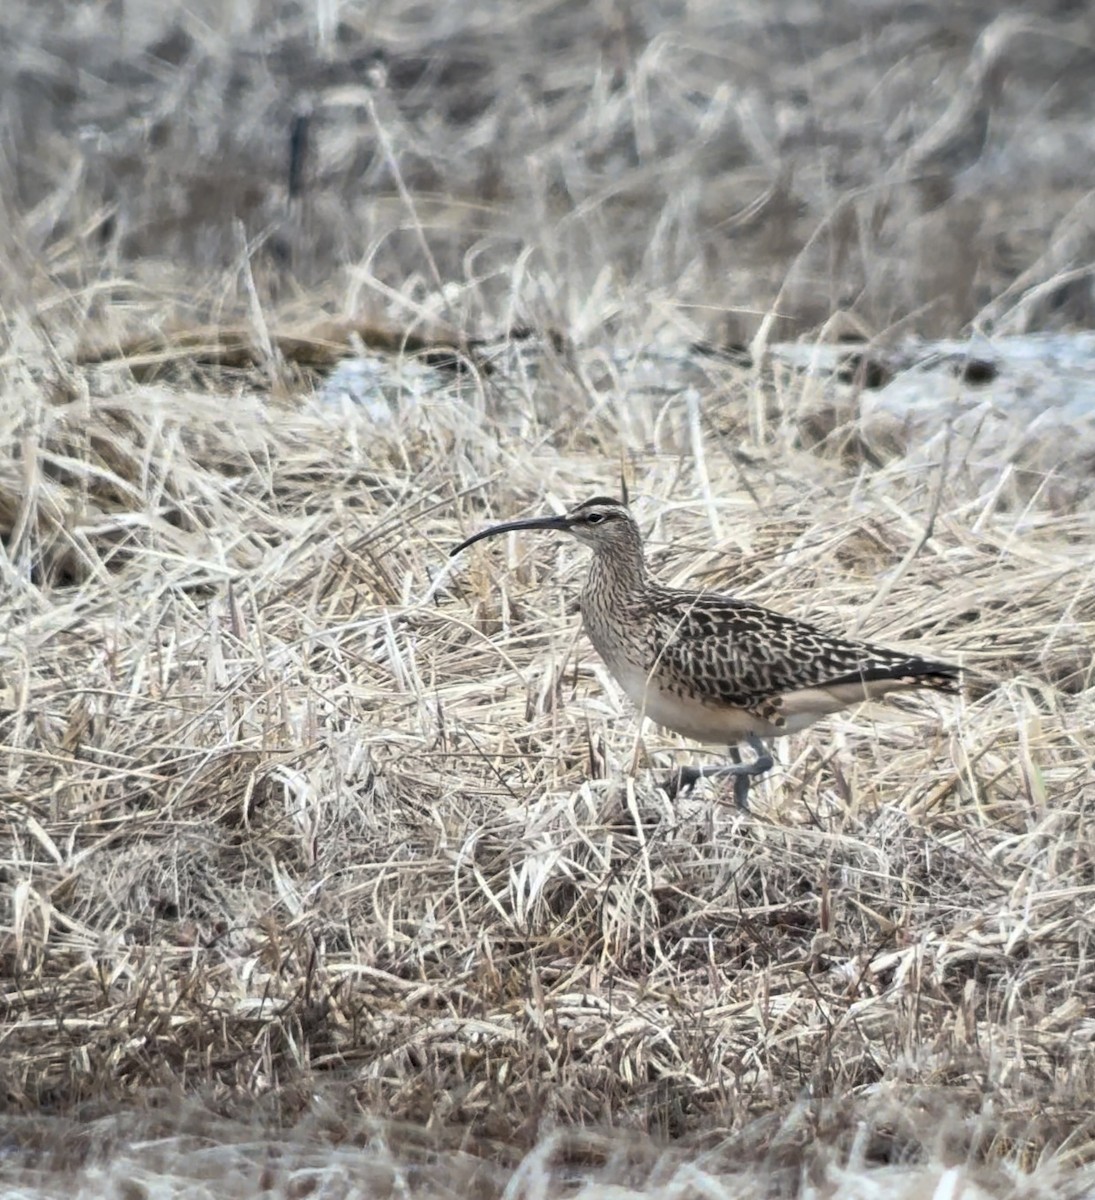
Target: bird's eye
595,518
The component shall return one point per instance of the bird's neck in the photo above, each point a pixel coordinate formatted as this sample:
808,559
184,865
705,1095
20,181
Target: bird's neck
618,572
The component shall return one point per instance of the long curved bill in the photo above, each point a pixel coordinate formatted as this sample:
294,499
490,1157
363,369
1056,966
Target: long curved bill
512,526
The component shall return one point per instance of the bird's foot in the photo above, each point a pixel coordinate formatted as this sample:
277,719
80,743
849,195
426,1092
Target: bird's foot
683,779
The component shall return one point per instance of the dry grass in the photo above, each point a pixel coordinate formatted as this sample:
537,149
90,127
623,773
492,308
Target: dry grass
307,828
294,802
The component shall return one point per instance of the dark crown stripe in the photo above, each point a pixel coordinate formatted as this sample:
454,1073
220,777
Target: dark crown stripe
599,502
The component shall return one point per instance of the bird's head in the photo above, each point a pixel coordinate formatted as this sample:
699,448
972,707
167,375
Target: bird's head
602,524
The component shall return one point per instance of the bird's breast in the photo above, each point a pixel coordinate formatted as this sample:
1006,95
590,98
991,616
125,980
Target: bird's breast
616,633
619,638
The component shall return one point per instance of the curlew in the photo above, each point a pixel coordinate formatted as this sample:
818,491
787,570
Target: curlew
709,666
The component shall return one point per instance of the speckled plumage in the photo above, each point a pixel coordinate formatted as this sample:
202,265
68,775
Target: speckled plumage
710,666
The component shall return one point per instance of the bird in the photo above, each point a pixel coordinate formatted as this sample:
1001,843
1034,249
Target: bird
713,667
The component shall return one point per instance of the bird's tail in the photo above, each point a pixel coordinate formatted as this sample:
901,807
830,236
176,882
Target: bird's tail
907,672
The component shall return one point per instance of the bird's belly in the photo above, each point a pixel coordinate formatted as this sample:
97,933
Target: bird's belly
724,724
704,721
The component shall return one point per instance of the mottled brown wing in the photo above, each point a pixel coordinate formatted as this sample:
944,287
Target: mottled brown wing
738,654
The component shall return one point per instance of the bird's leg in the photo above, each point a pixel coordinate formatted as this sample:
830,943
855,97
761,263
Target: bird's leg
743,772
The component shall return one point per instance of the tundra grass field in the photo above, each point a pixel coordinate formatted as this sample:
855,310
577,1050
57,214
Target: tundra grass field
332,866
